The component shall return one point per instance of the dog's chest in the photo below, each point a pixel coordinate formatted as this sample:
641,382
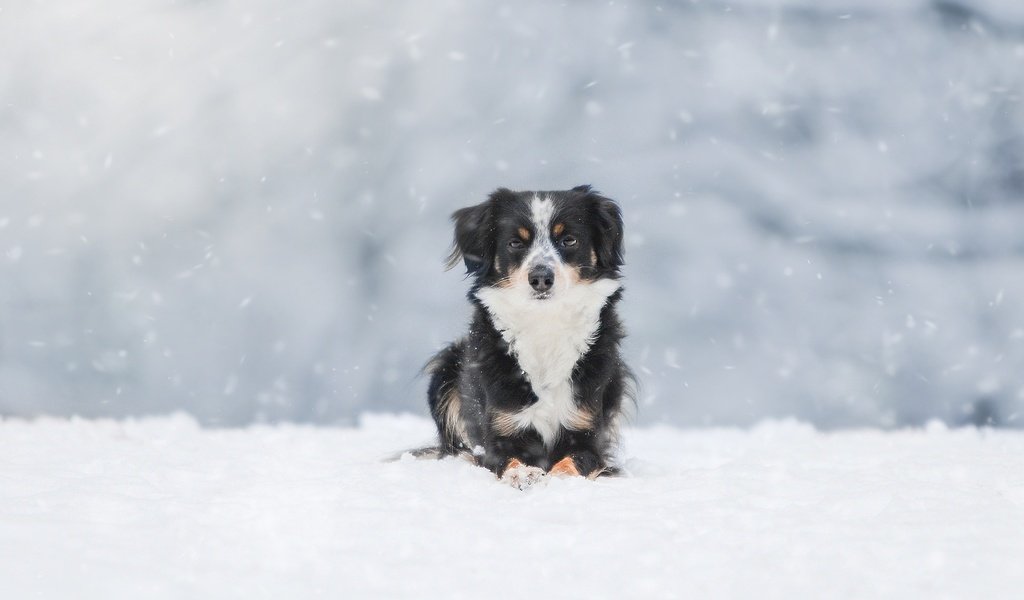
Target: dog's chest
547,339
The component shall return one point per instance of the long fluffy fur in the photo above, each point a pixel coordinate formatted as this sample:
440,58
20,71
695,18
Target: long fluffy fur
539,376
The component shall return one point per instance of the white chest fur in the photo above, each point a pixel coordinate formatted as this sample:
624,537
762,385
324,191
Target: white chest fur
547,338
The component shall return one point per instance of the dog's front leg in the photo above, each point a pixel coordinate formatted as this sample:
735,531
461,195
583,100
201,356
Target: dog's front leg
577,453
515,459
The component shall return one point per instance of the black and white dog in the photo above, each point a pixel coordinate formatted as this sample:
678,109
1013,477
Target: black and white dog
537,385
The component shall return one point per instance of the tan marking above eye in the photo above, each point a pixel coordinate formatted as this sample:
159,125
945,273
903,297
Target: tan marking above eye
524,233
558,228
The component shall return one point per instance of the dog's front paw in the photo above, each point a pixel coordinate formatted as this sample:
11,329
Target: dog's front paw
579,465
521,476
565,468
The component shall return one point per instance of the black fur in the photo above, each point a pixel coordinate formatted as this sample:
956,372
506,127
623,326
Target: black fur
483,378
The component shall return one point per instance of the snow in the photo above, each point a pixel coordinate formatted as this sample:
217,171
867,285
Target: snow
162,508
162,161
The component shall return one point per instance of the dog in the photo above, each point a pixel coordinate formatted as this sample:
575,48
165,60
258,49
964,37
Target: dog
538,385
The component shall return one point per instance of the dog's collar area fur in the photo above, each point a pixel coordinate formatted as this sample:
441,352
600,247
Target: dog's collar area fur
547,338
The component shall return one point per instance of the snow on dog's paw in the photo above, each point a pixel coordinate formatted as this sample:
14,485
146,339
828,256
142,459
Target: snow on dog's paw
521,476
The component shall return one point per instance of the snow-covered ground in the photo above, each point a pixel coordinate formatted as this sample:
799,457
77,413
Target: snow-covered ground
161,508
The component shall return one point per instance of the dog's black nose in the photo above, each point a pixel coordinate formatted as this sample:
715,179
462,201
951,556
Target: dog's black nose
542,278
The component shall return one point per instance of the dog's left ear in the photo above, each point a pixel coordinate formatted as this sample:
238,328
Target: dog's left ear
607,229
474,235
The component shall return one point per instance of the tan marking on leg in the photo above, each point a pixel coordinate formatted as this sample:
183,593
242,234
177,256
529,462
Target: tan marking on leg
565,468
580,419
451,410
513,463
504,423
558,228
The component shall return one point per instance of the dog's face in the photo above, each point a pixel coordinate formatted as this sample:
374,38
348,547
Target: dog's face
539,244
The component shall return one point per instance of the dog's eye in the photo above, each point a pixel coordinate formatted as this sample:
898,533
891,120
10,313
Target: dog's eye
569,241
515,243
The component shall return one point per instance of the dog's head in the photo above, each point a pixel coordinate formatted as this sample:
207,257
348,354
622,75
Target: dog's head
539,243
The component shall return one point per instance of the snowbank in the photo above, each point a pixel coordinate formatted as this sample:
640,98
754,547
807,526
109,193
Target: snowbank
161,508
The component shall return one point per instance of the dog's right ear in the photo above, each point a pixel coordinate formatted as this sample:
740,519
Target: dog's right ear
474,233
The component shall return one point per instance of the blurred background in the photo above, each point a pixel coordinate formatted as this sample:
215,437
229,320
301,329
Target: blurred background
238,209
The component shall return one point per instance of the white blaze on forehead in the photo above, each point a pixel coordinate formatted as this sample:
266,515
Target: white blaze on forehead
542,209
543,250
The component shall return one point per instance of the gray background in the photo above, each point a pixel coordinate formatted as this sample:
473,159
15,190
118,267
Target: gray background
239,209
